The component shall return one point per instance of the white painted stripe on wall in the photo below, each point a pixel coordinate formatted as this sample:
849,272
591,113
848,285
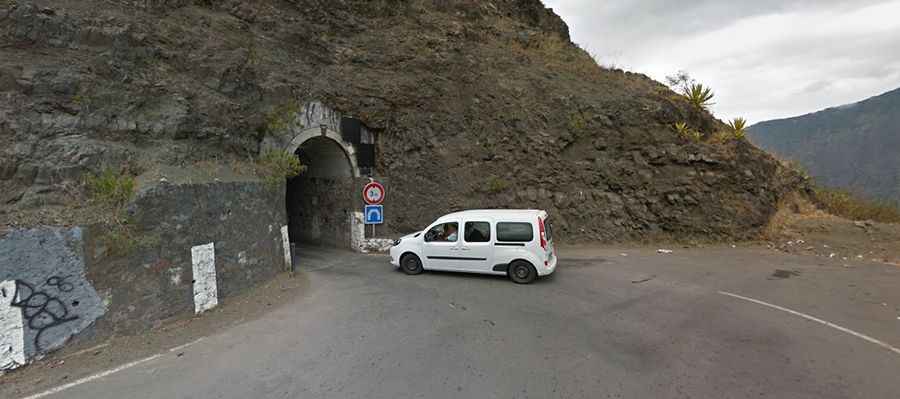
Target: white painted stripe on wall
817,320
206,295
12,329
286,243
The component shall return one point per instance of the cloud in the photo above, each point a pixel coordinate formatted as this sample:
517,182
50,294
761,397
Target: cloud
765,59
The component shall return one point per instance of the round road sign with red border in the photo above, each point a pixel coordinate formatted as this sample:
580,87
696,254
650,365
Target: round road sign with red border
373,193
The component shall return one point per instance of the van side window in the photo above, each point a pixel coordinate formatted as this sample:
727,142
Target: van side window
478,232
515,232
446,232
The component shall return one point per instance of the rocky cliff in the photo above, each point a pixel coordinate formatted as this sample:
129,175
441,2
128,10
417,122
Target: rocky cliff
474,104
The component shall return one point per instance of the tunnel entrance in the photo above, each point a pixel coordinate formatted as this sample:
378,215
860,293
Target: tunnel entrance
319,201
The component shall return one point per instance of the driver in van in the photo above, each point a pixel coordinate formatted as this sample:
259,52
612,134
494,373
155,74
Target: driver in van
450,233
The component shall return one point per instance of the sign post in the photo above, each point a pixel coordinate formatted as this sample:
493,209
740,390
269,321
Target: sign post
374,214
373,195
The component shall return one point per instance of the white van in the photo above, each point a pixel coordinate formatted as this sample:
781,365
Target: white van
514,243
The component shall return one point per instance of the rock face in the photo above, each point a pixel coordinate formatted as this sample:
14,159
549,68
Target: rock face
854,146
474,104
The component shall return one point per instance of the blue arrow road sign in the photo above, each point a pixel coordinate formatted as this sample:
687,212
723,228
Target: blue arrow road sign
374,214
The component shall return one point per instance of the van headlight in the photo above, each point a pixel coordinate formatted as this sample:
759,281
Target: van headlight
397,242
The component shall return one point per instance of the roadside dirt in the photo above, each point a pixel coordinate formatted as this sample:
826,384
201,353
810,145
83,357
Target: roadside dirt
800,228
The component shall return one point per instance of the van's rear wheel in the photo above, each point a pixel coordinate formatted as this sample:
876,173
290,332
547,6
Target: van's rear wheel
410,264
521,272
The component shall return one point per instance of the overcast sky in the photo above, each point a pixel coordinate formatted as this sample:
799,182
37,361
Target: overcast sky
765,59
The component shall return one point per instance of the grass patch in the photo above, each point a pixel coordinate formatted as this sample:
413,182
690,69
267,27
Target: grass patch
721,137
577,122
121,240
110,187
113,190
280,117
558,54
497,185
847,205
275,166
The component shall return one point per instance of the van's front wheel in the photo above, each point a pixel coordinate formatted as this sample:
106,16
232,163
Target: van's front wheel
410,264
521,272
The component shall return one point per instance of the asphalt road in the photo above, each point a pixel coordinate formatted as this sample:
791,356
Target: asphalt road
605,325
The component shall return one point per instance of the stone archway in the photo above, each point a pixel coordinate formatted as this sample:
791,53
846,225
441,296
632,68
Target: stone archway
322,201
326,140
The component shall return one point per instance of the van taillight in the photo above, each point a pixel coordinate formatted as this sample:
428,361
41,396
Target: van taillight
543,233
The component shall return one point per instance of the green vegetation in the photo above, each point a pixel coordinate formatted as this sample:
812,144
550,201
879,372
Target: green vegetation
738,128
577,123
844,204
721,137
497,185
280,117
275,166
114,189
122,240
110,187
557,54
687,133
736,132
698,95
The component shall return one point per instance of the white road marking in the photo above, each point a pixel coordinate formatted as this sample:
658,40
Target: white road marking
93,377
817,320
180,347
108,372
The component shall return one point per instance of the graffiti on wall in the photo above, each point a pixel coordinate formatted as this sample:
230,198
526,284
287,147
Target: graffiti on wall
28,310
45,297
43,310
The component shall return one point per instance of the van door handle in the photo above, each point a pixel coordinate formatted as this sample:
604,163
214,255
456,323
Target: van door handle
454,249
464,249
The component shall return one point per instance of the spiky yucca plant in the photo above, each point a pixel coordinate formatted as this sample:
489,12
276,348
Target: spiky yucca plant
686,132
698,95
738,128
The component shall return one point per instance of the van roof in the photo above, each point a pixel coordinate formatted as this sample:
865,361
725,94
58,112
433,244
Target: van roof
497,212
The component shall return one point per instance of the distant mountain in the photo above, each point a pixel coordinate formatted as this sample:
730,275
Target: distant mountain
855,146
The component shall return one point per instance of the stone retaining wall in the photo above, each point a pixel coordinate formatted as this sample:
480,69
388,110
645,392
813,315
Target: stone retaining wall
186,246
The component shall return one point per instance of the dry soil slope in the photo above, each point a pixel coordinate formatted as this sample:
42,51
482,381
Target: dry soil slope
477,104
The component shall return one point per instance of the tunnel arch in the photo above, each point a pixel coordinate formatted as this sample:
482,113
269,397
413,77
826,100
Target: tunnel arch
320,137
323,207
319,202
